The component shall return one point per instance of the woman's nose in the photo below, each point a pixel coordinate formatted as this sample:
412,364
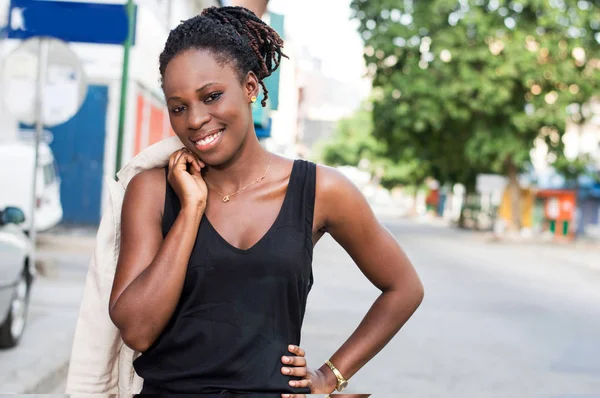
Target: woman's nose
197,117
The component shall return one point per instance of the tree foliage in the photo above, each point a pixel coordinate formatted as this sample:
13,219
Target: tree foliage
466,86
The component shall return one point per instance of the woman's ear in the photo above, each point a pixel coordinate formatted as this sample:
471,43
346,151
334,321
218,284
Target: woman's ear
251,86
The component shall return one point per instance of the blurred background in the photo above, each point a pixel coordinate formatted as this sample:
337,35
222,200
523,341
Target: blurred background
472,127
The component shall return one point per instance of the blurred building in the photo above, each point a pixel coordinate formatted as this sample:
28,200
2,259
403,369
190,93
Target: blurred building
284,119
85,146
323,101
276,124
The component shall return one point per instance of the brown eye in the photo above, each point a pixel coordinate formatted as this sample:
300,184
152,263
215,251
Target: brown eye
177,110
213,97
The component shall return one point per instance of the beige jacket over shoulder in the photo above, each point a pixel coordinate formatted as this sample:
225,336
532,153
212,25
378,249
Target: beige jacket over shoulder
100,362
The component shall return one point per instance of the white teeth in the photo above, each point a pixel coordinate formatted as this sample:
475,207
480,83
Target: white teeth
209,139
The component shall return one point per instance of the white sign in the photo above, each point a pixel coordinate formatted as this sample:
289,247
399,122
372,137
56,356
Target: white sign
65,85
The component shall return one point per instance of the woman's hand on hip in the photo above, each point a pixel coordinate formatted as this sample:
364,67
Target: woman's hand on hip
188,185
296,366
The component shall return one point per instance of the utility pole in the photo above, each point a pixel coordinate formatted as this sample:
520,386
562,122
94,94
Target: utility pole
43,49
124,80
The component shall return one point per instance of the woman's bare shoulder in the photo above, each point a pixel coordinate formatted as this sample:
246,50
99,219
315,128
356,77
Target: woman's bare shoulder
146,190
151,179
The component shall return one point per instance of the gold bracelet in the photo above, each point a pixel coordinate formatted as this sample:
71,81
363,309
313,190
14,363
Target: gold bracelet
342,383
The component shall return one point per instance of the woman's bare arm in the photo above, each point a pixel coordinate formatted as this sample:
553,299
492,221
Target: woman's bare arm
351,222
151,271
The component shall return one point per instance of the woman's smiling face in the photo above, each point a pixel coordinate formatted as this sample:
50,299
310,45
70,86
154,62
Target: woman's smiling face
208,106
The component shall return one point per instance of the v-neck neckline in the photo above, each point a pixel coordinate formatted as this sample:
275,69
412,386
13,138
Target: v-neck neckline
267,233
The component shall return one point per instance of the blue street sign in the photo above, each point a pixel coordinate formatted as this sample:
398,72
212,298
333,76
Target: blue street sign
68,21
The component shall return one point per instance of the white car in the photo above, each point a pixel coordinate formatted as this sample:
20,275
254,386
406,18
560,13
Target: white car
16,276
17,159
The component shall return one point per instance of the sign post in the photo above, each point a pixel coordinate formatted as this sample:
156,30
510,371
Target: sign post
124,80
39,128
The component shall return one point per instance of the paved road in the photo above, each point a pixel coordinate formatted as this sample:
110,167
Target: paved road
503,320
499,320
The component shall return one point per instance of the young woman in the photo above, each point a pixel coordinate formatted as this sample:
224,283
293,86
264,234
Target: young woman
216,250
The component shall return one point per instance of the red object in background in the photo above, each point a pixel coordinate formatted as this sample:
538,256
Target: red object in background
433,198
560,204
152,123
139,124
559,207
156,125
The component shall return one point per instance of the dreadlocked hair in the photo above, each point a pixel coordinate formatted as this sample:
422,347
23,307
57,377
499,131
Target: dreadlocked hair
231,34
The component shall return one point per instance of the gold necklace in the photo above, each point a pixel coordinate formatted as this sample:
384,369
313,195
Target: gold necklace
227,198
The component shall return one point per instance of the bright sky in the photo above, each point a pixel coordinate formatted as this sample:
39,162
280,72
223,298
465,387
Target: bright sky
325,27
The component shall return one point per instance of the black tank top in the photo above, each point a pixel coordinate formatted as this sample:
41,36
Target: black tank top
239,309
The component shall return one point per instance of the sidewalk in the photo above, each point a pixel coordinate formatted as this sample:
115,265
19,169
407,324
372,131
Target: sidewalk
38,365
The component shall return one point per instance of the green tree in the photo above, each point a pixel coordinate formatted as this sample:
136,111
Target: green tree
470,84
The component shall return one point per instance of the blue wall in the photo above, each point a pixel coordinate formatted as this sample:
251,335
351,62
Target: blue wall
79,150
78,147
